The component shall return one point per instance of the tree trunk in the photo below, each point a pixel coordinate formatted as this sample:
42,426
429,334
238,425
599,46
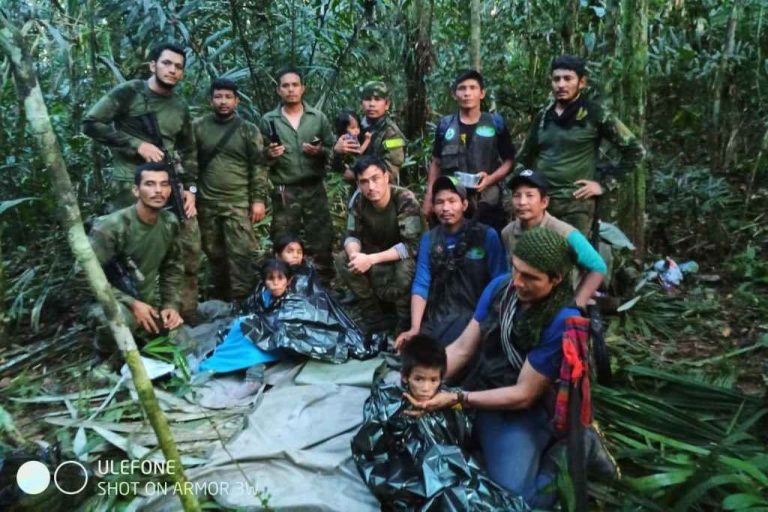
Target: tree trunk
720,85
475,7
418,63
13,45
632,50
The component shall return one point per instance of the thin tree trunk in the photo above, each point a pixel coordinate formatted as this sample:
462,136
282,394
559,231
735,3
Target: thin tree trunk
632,49
93,51
236,16
3,288
720,85
475,7
418,63
13,45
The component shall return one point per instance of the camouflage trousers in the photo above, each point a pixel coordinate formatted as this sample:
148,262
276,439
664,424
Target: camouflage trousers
119,195
306,206
578,214
388,283
230,244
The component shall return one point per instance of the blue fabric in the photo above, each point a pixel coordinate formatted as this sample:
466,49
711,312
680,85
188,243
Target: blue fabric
237,353
484,304
586,255
513,444
497,259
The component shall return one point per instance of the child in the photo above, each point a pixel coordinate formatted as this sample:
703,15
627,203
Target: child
289,249
424,364
419,462
238,352
348,125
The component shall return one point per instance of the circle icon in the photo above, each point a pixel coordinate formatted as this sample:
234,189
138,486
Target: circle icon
56,477
33,477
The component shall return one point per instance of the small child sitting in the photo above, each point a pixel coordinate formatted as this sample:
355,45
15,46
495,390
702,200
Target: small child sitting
419,462
289,249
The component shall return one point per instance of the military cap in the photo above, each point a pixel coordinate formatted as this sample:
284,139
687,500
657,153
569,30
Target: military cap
375,88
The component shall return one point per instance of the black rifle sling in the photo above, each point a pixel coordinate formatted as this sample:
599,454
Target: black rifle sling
205,159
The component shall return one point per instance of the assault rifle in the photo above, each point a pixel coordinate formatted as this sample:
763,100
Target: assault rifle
124,275
172,165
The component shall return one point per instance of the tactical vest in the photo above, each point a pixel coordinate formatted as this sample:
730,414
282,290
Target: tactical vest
458,276
481,155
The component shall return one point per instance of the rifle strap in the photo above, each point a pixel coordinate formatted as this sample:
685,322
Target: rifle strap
206,158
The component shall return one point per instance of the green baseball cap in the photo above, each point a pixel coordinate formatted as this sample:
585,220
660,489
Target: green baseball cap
375,88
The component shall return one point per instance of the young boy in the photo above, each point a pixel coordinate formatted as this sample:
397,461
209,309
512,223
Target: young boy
418,462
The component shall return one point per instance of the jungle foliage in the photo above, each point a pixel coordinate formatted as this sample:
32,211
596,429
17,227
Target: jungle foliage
690,445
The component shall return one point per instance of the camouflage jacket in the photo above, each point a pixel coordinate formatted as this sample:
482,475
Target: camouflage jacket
567,154
115,122
236,176
153,248
399,225
387,143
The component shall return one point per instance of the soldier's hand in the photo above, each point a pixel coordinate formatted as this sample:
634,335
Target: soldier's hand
405,337
346,145
171,318
484,181
587,189
150,153
360,263
190,210
258,211
312,149
275,150
145,316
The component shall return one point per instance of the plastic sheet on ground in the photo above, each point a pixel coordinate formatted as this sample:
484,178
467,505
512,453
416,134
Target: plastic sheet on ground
313,325
351,373
418,463
296,445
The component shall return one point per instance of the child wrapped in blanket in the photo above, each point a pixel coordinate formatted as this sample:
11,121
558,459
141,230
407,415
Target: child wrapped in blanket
412,460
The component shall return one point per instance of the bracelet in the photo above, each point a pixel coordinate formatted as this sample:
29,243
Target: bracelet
461,398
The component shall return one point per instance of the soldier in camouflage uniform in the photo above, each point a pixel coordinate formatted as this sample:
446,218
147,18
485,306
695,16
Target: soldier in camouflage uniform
301,140
119,120
143,241
564,140
384,226
386,140
233,191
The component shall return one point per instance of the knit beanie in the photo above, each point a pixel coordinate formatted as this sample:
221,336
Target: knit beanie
545,250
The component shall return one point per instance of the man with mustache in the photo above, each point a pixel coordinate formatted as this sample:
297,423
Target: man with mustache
456,260
121,120
564,140
233,191
143,241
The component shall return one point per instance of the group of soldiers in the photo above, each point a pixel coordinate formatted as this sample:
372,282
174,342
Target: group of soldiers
232,170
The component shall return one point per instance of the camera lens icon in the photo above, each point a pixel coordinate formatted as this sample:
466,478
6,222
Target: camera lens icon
34,477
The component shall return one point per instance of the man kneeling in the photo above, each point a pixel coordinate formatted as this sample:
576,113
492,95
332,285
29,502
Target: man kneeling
138,248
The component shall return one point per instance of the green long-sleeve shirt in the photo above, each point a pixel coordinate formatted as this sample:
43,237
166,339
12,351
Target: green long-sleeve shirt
294,166
236,176
565,155
114,122
154,248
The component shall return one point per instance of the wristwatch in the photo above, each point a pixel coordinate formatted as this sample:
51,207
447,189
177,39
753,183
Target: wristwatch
192,189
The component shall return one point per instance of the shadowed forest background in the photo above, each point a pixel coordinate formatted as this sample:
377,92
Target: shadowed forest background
690,77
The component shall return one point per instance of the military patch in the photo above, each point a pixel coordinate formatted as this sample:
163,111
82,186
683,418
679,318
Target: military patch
450,134
485,131
581,114
476,253
394,143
